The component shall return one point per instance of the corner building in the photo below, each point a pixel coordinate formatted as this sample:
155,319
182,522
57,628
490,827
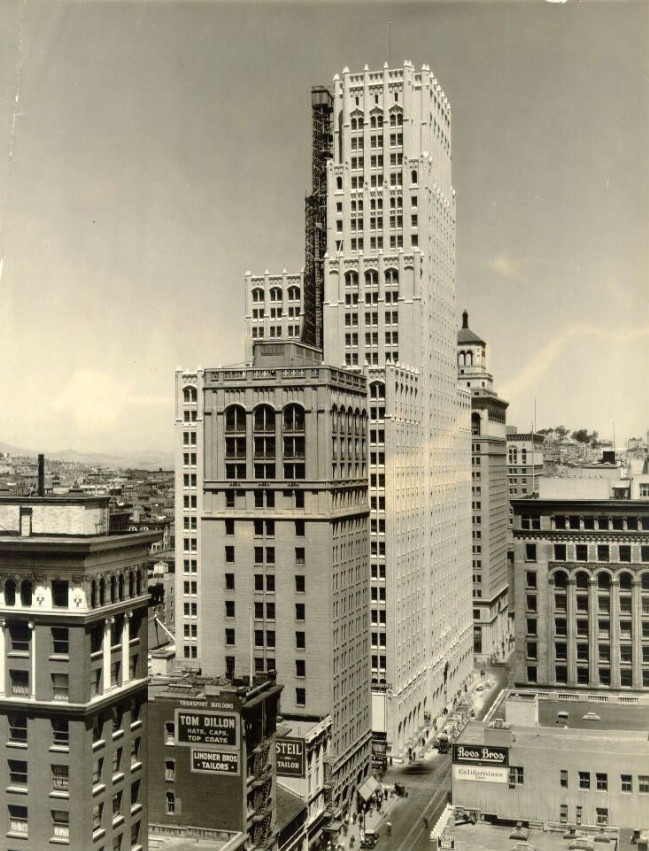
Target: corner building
73,682
280,582
492,620
389,310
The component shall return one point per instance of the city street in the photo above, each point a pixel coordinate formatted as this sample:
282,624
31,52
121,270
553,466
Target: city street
427,781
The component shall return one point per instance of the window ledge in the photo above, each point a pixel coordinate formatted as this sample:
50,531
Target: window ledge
59,794
18,790
135,725
117,776
135,766
23,745
99,833
59,840
118,734
135,808
97,788
14,834
59,657
59,748
98,744
118,820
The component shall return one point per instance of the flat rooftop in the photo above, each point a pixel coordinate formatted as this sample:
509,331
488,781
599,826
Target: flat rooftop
612,716
496,838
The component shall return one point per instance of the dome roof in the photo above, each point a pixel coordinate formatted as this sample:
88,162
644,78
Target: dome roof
465,334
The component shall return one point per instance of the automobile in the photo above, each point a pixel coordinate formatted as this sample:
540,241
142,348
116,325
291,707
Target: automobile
370,839
591,716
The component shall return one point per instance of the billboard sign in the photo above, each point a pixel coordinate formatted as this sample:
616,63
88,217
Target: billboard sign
290,754
480,755
215,762
220,729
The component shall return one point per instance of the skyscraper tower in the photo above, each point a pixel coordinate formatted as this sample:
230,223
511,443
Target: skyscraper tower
492,625
389,309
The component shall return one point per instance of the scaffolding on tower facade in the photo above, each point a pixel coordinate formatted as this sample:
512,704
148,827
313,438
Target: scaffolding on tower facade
315,216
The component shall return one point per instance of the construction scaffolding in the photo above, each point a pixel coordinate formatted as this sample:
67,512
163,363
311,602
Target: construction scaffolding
315,216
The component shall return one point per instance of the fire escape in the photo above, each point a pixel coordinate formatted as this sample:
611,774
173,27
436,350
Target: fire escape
315,216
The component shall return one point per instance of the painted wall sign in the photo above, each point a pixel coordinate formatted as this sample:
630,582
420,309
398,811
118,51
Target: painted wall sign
480,755
290,756
207,728
215,762
480,773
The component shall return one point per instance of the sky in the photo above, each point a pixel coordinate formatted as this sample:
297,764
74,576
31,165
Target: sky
153,152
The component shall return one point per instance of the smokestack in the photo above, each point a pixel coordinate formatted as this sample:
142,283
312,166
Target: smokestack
41,475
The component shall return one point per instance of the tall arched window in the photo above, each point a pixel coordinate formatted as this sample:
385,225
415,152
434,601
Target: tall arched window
26,590
293,442
264,442
10,593
294,293
371,278
257,295
275,294
351,279
475,423
235,442
189,394
93,594
391,278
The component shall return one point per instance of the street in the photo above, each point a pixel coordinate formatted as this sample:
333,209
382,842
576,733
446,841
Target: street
428,782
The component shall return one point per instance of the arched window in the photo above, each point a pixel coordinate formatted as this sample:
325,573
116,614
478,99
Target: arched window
138,582
235,420
356,122
131,583
294,293
560,579
257,294
645,581
371,278
293,442
275,294
10,593
413,176
113,590
120,587
26,591
603,581
93,594
475,423
351,279
294,418
339,183
189,394
235,442
376,119
377,390
396,117
626,581
102,591
391,277
264,442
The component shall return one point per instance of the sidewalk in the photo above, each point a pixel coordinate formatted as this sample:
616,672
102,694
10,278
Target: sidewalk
373,820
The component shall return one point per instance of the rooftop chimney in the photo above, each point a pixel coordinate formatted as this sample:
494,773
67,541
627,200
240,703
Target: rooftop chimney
41,475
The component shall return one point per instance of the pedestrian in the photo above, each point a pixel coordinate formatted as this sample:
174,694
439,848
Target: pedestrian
425,823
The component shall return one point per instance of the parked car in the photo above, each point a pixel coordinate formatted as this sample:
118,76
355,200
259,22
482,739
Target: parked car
370,839
591,716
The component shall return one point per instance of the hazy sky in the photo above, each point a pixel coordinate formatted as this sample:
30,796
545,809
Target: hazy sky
152,152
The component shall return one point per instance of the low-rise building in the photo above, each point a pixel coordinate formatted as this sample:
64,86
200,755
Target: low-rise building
556,759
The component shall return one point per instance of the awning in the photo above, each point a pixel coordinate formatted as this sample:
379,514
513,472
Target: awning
369,788
333,827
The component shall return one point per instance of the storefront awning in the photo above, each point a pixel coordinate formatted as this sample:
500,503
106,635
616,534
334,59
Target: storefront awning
369,788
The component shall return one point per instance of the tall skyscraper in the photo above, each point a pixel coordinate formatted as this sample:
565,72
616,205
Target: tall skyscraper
389,310
73,686
492,624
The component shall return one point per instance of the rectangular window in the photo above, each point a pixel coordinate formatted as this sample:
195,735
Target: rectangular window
601,782
19,682
516,775
300,583
530,552
563,778
60,640
601,814
17,772
602,552
300,668
560,552
60,778
625,552
643,784
229,637
300,640
18,819
17,728
563,814
299,611
300,697
584,779
626,783
229,581
60,592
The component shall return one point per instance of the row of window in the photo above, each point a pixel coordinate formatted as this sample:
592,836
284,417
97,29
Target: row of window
599,781
591,552
264,638
616,523
275,294
264,611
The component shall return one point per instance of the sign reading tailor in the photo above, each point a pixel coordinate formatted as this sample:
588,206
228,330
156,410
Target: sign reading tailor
480,755
290,757
207,728
215,762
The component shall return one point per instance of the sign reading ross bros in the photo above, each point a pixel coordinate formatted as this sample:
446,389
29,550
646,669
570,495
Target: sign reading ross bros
480,755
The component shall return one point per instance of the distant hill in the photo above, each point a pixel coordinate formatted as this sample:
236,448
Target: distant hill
146,459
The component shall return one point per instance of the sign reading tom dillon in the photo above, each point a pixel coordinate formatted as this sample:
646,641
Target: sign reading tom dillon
290,759
207,728
480,755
